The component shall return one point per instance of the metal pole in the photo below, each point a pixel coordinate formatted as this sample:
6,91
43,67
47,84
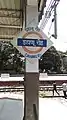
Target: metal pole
55,21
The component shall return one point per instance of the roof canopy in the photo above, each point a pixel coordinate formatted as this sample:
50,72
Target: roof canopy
11,17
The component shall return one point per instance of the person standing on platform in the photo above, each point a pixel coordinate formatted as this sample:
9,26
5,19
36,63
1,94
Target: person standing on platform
64,89
55,88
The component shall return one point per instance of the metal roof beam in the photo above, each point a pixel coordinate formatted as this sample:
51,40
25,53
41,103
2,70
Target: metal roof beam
6,9
10,26
7,36
41,8
5,39
10,16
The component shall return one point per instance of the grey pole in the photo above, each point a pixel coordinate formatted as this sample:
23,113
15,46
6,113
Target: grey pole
55,21
31,79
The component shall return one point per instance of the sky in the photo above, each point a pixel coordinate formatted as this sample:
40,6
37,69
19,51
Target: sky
61,42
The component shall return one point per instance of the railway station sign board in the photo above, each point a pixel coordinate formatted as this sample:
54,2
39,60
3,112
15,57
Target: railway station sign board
32,44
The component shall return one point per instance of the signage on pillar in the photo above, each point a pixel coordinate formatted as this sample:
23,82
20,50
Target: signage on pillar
32,43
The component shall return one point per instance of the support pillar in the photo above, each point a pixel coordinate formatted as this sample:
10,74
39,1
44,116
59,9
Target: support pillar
31,96
31,101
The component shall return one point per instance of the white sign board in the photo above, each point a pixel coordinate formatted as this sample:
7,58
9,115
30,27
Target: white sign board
32,51
29,43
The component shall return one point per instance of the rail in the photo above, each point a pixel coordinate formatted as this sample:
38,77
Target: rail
49,88
21,89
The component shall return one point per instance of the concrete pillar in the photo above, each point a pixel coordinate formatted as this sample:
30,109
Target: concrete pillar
31,96
31,16
31,109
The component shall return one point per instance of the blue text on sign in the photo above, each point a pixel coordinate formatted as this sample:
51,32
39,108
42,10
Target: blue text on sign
32,42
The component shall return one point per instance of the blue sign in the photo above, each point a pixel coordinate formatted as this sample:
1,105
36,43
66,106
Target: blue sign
32,42
32,56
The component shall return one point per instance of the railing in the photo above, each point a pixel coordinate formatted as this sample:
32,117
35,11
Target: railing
49,88
21,89
10,89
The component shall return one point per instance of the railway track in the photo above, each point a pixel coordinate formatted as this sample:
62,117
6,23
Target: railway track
21,88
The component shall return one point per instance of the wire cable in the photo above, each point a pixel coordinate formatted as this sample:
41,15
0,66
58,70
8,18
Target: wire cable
48,13
45,17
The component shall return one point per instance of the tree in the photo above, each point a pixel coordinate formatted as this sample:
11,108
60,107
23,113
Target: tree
10,58
50,61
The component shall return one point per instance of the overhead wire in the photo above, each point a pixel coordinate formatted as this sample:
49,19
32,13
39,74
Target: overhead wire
48,12
44,18
50,28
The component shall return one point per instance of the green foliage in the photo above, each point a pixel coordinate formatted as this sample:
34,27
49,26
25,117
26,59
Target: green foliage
10,58
51,61
42,94
64,60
